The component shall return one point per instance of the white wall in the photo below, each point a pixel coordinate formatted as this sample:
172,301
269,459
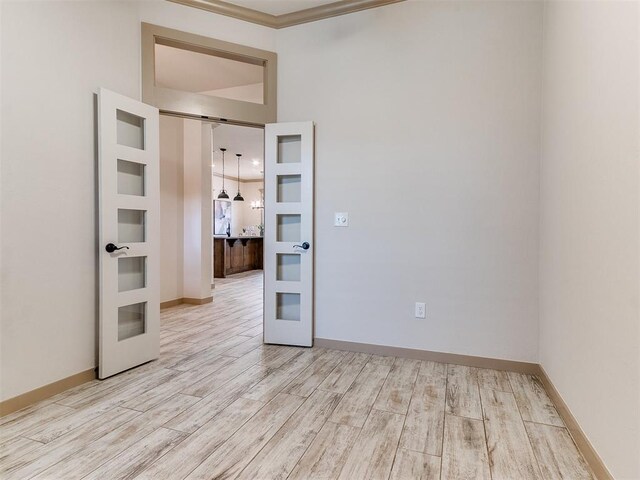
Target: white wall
198,244
1,236
66,51
171,208
185,202
427,133
590,221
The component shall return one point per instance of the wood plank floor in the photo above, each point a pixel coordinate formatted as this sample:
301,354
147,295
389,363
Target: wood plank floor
219,404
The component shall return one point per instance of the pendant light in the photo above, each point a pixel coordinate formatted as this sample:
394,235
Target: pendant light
238,197
223,193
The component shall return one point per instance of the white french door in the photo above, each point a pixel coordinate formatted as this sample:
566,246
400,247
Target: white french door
129,237
288,233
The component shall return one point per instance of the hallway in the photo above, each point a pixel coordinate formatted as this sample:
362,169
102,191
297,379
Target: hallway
219,404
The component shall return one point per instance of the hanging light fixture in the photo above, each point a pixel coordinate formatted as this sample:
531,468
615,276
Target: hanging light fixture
223,193
238,197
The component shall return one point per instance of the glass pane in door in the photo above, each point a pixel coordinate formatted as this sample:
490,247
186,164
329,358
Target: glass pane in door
131,273
288,267
289,188
130,130
132,320
288,227
130,178
131,225
288,306
289,149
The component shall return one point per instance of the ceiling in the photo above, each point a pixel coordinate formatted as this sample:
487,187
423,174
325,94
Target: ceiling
206,72
280,7
245,140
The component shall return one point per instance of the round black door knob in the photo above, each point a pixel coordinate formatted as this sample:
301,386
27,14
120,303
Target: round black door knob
110,247
304,246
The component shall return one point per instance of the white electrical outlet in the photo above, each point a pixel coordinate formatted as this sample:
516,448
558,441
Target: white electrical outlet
341,219
421,310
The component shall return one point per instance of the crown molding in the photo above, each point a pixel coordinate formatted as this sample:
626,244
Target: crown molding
232,10
329,10
313,14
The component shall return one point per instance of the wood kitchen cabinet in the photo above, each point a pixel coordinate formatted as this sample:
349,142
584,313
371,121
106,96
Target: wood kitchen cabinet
235,255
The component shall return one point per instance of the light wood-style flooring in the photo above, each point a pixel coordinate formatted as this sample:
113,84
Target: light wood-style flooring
219,404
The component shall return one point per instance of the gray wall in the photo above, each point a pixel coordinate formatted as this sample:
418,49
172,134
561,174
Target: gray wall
171,208
55,56
590,222
427,133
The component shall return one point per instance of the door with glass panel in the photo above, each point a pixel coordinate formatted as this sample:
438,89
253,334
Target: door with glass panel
288,234
129,236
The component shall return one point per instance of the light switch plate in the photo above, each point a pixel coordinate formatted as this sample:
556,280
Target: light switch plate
341,219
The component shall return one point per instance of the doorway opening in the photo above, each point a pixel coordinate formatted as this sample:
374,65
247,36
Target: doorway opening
212,95
187,260
174,228
211,242
216,96
238,227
